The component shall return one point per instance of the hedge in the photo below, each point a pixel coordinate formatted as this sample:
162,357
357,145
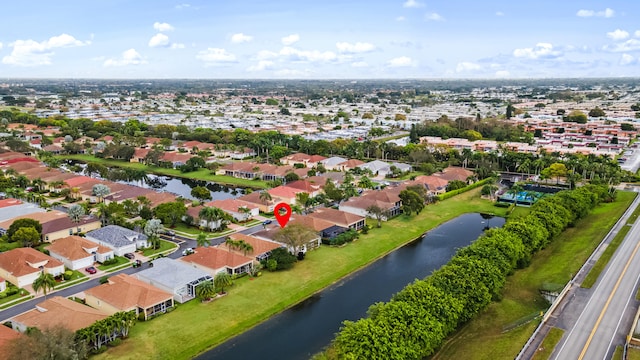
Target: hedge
464,189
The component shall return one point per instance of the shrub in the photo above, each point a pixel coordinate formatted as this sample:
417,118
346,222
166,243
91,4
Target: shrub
68,274
110,261
104,279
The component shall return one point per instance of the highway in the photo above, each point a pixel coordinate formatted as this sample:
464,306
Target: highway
604,320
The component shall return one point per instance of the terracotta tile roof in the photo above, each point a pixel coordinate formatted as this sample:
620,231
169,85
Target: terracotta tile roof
61,177
23,166
337,217
240,166
352,163
176,157
297,157
140,153
60,311
194,211
316,223
79,180
9,202
254,198
316,158
364,203
76,248
125,292
305,186
283,192
259,246
455,173
130,192
215,258
6,336
382,195
51,221
433,183
22,261
231,205
157,198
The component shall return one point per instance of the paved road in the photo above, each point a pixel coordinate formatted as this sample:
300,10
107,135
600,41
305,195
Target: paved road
604,321
183,242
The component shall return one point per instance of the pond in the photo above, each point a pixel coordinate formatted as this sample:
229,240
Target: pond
305,329
182,187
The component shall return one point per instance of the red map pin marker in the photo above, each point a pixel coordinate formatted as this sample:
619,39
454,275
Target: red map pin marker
283,218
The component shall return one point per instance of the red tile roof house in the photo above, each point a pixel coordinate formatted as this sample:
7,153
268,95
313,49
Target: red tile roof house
125,293
22,266
306,186
302,158
78,253
284,194
359,206
139,155
325,228
176,159
455,173
56,224
213,260
261,248
434,184
240,210
270,234
244,170
265,206
6,338
194,212
340,218
58,311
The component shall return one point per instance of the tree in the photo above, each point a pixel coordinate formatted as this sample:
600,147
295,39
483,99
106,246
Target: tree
365,183
411,202
170,212
295,236
378,213
332,191
222,280
303,199
577,116
44,282
28,236
280,259
100,191
510,110
597,112
558,170
413,135
202,240
152,228
75,213
201,193
205,290
56,342
215,218
23,223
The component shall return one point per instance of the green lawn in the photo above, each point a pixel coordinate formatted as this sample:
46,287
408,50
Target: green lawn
202,174
548,344
6,246
617,355
164,246
22,294
192,231
482,337
121,261
632,354
195,327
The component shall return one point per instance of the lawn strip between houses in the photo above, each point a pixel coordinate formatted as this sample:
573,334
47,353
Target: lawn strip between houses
201,174
195,327
483,337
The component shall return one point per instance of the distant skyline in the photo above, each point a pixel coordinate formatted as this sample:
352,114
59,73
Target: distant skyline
284,39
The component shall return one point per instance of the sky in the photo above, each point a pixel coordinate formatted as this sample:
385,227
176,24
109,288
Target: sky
328,39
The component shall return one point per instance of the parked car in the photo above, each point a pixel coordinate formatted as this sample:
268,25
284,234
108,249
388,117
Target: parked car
91,270
267,222
129,256
187,251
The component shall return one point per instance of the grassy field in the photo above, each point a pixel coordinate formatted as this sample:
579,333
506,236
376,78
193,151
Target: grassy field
164,246
602,262
549,343
195,327
483,337
632,354
202,174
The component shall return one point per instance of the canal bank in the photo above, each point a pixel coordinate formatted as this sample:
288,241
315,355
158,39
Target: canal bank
194,328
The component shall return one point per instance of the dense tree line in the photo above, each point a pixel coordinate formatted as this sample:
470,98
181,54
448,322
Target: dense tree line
415,322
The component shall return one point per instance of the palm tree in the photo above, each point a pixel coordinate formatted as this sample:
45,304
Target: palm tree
212,215
75,213
231,244
514,191
222,280
205,290
202,240
302,199
45,282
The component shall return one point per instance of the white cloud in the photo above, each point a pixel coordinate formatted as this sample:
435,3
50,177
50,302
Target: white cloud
629,45
357,48
307,55
400,18
129,57
434,17
541,50
215,56
637,33
261,65
626,59
33,53
502,73
240,38
293,73
0,46
606,13
182,6
499,13
402,61
467,66
618,34
359,64
162,27
175,46
412,4
159,40
290,39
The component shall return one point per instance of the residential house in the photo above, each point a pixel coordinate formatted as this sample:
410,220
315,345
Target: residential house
194,212
340,218
176,159
118,238
7,336
11,208
284,194
214,260
270,234
56,224
175,277
307,160
265,206
378,168
78,253
238,209
139,155
325,228
360,205
350,164
306,186
242,153
126,293
434,184
3,284
333,163
22,266
261,248
58,311
455,173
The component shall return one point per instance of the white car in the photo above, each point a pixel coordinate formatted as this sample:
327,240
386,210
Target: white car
187,251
